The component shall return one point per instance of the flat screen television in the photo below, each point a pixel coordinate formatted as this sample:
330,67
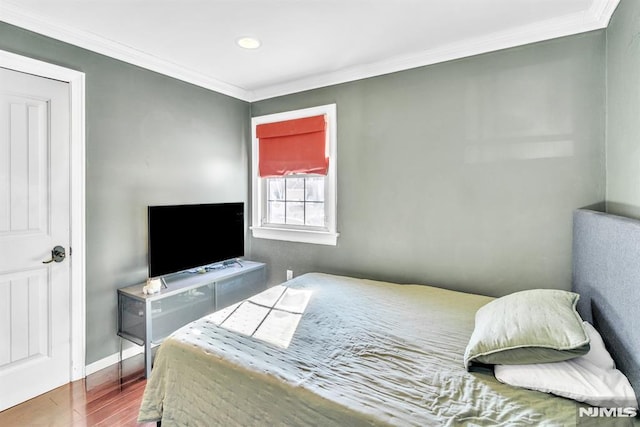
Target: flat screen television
183,237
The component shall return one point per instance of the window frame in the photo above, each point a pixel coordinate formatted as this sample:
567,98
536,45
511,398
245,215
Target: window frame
288,232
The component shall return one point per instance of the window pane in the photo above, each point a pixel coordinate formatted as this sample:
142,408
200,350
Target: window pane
295,213
315,189
295,189
276,188
276,213
315,214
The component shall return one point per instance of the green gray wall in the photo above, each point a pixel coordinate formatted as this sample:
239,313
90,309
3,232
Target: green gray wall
623,110
462,174
150,139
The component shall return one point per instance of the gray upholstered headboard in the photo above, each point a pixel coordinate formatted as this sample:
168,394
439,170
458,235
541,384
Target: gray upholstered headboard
606,274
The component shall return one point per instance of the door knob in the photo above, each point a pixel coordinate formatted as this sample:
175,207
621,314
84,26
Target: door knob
58,254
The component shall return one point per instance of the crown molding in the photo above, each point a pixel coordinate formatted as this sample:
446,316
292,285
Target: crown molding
596,17
602,10
28,20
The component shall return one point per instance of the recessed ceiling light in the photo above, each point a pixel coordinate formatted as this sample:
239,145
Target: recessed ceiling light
248,42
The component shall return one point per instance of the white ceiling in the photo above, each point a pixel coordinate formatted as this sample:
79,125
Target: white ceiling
305,43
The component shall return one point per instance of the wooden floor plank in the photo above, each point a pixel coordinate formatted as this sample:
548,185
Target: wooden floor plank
110,397
132,395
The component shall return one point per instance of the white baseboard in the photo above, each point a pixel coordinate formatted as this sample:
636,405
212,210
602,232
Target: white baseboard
112,359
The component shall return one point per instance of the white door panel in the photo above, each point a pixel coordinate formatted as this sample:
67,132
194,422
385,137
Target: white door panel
23,185
25,317
34,217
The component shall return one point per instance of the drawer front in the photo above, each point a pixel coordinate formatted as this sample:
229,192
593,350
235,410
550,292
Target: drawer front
173,312
237,288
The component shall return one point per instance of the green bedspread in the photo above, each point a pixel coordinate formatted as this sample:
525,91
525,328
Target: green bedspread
360,352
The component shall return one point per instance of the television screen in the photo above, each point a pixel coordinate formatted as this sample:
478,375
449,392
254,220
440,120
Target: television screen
182,237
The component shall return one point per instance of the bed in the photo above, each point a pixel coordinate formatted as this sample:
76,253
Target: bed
330,350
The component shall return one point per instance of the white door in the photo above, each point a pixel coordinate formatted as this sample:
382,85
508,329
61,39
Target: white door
35,328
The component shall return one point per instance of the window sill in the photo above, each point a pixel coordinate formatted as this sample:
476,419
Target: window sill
302,236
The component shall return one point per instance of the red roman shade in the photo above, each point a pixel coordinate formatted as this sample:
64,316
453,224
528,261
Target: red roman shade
292,146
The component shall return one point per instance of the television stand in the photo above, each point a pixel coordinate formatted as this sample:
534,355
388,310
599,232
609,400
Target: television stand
147,320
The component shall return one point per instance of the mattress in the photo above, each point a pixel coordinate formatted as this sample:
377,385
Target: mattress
330,350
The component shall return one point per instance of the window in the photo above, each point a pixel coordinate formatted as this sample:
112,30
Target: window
296,201
294,176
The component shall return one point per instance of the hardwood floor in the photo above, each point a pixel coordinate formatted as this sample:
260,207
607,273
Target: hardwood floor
101,399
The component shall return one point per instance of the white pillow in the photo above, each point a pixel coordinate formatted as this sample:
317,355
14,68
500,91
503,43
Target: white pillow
592,378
